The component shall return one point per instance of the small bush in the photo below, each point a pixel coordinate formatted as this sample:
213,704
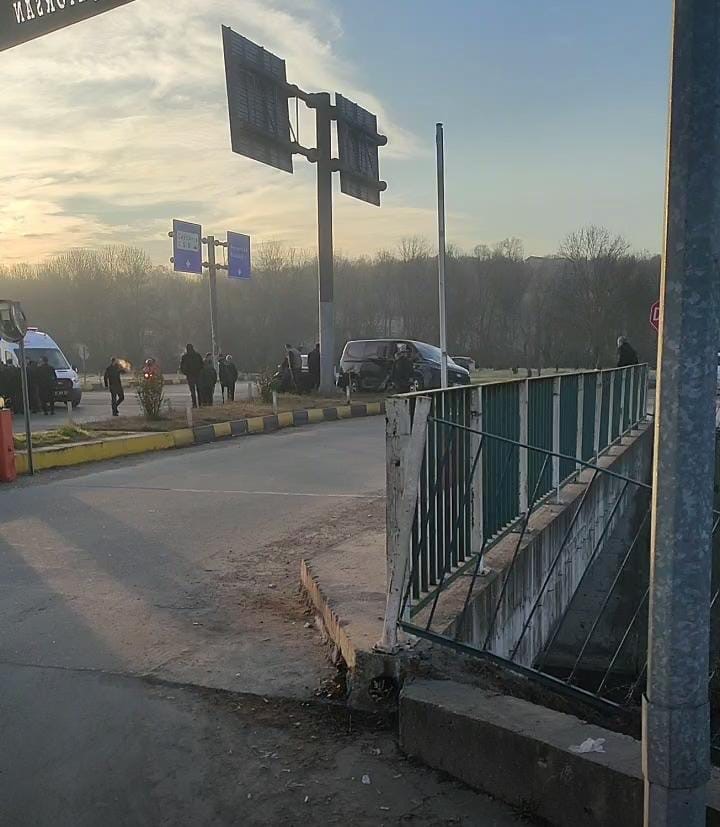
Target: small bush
266,384
151,395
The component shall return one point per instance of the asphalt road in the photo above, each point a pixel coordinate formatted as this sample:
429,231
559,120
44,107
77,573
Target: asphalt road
156,663
95,405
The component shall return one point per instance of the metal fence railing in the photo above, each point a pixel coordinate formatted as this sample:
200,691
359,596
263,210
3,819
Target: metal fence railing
573,416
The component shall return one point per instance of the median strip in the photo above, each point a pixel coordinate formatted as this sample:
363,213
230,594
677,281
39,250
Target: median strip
114,447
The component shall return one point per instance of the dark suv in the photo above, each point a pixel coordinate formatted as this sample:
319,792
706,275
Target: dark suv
367,365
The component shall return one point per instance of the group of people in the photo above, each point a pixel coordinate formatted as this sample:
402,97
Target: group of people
202,377
292,376
42,384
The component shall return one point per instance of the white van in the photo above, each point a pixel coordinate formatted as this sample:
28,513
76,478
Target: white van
37,345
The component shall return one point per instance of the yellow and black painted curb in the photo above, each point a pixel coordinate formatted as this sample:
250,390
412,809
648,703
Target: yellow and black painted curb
62,456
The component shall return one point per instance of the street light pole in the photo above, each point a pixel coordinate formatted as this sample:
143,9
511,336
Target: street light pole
676,732
442,246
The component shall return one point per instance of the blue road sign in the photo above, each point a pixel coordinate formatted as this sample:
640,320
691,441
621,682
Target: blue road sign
187,247
239,266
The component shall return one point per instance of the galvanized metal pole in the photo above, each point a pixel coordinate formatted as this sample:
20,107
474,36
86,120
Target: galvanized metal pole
212,273
442,247
26,407
676,738
326,275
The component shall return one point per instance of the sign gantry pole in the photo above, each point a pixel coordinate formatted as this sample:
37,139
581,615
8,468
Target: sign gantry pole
258,95
326,267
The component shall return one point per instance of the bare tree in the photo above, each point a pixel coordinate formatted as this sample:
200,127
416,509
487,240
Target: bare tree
594,259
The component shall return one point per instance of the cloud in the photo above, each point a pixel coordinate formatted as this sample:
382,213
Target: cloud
117,125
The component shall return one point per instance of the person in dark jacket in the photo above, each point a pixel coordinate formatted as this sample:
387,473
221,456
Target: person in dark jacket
207,381
294,365
12,387
4,385
112,379
191,366
33,393
626,353
46,383
402,370
228,378
314,367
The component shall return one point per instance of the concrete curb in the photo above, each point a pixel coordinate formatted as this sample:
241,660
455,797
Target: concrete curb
79,453
365,665
331,621
529,756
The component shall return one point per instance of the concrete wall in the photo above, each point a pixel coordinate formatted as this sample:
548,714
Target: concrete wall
529,756
549,528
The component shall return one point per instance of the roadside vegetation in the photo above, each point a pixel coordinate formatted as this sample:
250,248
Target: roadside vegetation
64,435
171,419
504,308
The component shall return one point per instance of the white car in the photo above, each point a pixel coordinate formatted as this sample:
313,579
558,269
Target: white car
37,345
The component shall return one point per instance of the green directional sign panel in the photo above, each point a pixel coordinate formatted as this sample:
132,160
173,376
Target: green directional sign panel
23,20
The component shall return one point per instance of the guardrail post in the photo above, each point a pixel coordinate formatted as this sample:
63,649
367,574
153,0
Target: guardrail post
405,445
621,426
476,413
580,418
397,433
611,413
598,413
524,493
556,438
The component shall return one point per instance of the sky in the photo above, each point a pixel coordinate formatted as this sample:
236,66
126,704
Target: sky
554,111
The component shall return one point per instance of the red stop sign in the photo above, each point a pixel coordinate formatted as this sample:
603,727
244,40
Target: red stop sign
655,316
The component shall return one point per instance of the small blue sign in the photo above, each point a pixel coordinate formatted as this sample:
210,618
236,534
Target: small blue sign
239,265
187,248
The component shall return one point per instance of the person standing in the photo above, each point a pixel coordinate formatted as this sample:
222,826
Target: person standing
626,353
314,367
294,365
191,366
207,381
33,393
402,370
46,384
228,378
12,383
113,382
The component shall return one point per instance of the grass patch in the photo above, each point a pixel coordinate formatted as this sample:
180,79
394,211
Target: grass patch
175,418
64,435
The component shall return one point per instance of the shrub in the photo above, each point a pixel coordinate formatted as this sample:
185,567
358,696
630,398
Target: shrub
151,394
266,385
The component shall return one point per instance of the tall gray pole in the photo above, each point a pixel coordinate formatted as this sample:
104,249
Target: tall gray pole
442,247
326,276
676,737
26,406
212,272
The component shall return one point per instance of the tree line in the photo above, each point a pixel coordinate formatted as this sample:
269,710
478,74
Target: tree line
504,310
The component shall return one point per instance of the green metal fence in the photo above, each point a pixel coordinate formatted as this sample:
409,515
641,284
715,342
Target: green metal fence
473,490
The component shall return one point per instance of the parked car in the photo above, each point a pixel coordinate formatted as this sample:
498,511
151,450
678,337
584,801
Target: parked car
367,365
38,345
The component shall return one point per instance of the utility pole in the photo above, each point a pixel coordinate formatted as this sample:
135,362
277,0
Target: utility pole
326,275
676,719
442,246
212,273
25,389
